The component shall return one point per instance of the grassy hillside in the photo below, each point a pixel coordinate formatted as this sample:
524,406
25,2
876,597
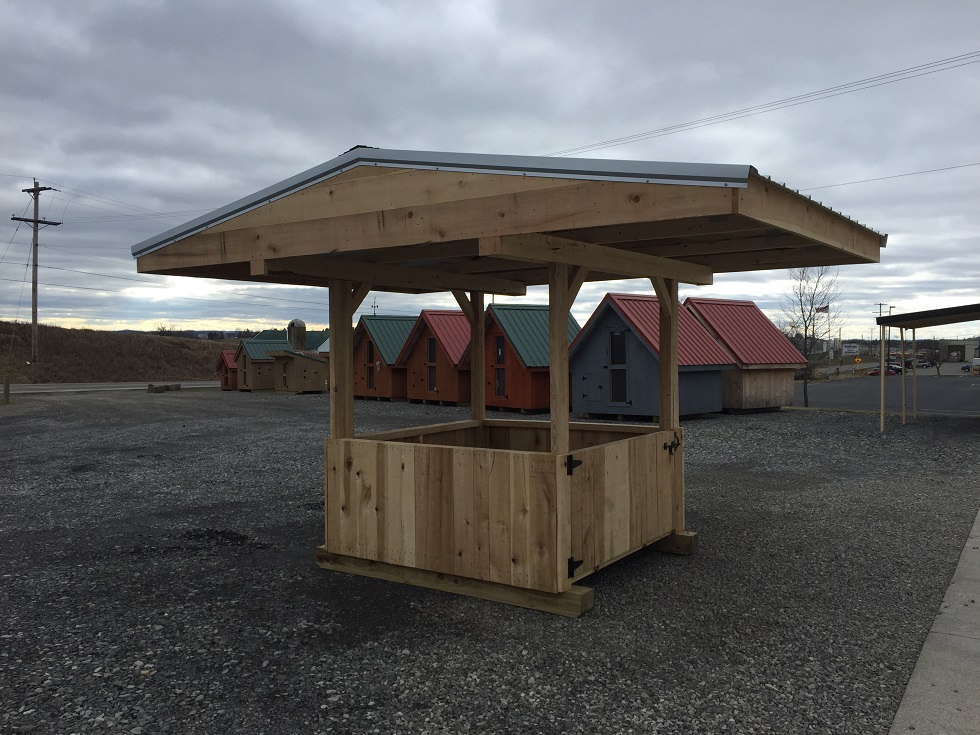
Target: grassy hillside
92,356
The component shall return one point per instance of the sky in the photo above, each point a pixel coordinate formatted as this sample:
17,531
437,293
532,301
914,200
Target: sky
145,114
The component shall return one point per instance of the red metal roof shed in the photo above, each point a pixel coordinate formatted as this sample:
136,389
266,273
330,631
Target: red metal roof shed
748,334
695,346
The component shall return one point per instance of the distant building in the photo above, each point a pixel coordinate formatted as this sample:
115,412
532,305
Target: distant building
433,357
227,370
378,340
615,361
765,360
256,365
516,352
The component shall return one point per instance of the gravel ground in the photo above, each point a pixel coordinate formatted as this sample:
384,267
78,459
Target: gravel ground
158,577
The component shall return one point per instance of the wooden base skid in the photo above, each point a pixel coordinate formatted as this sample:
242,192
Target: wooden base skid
682,542
572,603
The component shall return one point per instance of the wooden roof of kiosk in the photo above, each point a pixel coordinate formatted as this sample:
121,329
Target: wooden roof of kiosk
515,511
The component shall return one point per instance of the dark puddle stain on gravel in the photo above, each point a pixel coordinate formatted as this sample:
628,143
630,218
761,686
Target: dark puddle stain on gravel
202,539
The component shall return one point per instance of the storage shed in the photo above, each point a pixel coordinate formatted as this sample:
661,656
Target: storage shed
517,366
255,363
616,358
313,341
434,357
515,511
378,340
227,370
300,372
765,360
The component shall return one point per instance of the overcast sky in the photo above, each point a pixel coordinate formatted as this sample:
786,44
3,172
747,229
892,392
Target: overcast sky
146,114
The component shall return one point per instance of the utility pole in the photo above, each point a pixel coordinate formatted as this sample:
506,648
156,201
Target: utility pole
36,221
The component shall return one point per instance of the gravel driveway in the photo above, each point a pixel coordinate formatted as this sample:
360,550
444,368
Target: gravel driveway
157,576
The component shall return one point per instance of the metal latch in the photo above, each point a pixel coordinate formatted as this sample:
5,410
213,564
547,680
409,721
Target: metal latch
571,463
673,445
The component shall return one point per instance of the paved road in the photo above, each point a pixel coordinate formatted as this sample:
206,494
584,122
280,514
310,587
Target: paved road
953,392
89,387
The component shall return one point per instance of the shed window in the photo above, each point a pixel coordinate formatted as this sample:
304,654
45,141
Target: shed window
617,385
370,352
498,358
432,378
430,355
617,348
617,367
500,386
370,377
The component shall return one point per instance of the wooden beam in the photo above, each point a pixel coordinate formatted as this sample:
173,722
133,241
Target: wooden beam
358,294
512,211
393,275
576,278
572,603
464,304
768,202
341,361
478,367
549,249
558,306
663,293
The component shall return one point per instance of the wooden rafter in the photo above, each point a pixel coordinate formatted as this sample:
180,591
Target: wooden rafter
387,275
549,249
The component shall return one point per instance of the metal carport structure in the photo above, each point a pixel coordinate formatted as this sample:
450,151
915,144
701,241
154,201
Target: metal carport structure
916,320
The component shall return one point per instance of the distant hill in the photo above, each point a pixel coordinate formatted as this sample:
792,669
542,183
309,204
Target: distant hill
94,356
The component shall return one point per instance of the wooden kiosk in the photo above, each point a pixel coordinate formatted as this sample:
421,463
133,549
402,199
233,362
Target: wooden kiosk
516,511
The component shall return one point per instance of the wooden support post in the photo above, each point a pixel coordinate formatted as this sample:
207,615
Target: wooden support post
669,398
478,363
681,541
558,353
341,360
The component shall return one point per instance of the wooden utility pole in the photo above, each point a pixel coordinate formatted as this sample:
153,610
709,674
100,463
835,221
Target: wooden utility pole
36,222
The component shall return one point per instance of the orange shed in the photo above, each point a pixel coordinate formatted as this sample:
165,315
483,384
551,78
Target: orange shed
433,357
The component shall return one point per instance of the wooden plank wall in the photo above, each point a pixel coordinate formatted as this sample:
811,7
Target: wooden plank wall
480,513
621,498
751,389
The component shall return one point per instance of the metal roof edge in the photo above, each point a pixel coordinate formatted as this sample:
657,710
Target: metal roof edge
650,172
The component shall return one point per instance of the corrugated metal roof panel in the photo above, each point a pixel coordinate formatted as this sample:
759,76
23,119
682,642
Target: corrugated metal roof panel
260,349
747,333
695,346
388,333
652,172
314,338
526,327
452,329
227,358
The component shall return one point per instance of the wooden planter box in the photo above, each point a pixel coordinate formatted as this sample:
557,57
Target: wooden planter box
487,502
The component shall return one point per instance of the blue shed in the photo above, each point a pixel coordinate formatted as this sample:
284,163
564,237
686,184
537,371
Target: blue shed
615,365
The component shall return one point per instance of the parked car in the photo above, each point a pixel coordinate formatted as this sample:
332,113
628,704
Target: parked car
894,366
877,370
922,363
966,368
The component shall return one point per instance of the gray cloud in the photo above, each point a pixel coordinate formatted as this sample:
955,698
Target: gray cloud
181,107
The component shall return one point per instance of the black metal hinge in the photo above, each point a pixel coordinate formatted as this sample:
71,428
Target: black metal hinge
571,463
573,564
673,445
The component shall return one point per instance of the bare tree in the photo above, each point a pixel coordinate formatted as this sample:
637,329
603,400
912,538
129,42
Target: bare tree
810,311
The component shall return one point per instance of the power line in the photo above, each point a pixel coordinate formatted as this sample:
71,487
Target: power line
801,99
894,176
